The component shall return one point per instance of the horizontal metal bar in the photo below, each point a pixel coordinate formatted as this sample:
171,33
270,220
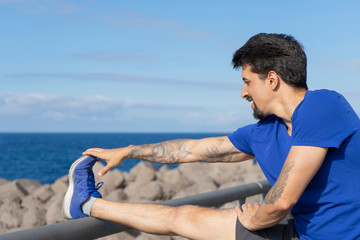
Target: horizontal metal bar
91,228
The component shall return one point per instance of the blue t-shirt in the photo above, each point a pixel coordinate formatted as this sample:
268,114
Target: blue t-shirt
329,208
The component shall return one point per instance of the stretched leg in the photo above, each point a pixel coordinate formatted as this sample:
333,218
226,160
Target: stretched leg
188,221
82,199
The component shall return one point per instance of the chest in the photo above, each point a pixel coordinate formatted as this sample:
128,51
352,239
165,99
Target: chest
271,148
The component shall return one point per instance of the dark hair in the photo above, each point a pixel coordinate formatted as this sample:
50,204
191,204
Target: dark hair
277,52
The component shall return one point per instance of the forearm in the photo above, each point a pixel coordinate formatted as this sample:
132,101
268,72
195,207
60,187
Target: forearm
267,216
216,149
276,205
169,152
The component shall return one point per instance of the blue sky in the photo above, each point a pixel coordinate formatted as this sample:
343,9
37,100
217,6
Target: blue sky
156,66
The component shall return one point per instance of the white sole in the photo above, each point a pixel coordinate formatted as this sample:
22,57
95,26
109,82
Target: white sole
70,190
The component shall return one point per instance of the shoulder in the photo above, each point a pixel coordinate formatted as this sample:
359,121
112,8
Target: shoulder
321,103
324,118
322,94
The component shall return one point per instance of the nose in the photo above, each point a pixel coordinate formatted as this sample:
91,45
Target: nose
244,92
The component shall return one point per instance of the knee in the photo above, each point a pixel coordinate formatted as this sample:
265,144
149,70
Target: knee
184,215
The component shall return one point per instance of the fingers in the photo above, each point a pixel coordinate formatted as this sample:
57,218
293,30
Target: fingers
250,205
247,207
238,210
111,156
104,170
93,151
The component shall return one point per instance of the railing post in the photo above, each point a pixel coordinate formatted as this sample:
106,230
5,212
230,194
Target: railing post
240,202
261,198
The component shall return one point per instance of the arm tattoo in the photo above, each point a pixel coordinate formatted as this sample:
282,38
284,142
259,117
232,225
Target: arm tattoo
213,153
170,152
275,192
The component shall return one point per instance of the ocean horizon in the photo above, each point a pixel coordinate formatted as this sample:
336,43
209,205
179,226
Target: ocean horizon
47,156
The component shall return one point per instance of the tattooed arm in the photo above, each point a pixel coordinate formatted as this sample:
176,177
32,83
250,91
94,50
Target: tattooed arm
215,149
301,165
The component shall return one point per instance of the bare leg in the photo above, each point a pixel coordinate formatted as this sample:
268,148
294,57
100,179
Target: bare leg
188,221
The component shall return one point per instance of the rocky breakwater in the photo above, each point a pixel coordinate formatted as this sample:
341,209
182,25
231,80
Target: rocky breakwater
26,203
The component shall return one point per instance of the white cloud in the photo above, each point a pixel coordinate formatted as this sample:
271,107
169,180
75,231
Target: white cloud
351,63
128,18
115,57
220,121
60,107
135,19
125,78
50,112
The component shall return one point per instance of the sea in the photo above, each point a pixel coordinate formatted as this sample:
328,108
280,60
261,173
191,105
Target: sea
45,157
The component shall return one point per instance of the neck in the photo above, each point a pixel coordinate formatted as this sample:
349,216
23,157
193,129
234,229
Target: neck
287,103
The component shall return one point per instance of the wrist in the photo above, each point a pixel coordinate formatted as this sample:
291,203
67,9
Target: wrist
129,150
252,224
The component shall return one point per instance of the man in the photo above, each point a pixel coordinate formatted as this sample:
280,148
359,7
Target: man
306,142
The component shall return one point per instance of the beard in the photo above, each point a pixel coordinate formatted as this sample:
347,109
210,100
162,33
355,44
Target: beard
257,114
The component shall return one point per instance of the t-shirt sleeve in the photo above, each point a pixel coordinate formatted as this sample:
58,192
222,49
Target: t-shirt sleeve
323,119
241,139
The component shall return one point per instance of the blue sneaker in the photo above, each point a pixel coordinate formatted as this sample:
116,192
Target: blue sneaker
81,187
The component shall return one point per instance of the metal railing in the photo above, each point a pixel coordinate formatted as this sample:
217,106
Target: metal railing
92,228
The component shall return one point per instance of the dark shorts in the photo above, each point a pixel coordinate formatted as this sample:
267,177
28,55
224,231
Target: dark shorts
284,230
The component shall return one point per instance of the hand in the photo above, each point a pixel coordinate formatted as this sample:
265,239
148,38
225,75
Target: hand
113,157
247,215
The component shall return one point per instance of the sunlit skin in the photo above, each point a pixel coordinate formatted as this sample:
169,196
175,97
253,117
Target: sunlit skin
270,95
255,91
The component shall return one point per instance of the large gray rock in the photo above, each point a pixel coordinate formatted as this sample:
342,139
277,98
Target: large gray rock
3,181
2,228
54,211
172,182
34,217
196,172
113,179
151,191
44,193
117,195
129,178
11,218
144,172
31,201
189,191
60,186
118,236
174,178
225,172
10,193
39,198
27,185
146,236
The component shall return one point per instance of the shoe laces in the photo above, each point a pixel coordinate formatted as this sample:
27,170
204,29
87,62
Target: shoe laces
91,183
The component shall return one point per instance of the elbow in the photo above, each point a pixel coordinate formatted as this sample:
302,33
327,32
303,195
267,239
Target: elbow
284,205
280,205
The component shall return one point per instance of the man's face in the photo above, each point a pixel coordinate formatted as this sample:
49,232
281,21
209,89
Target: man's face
254,90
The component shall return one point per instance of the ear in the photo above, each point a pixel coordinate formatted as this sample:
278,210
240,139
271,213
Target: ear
273,80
